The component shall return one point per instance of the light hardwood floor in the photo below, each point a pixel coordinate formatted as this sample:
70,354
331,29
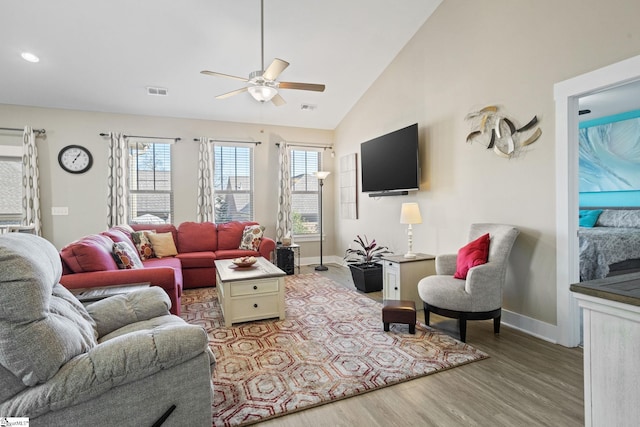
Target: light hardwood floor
525,382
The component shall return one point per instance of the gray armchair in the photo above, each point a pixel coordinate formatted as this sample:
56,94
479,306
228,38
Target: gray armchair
479,296
120,361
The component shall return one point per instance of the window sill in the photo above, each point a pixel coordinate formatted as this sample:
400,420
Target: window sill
299,238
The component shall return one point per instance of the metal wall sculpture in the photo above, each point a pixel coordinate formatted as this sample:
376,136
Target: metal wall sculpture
501,134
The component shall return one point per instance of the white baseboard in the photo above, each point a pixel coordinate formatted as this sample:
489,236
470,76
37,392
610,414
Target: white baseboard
332,259
544,331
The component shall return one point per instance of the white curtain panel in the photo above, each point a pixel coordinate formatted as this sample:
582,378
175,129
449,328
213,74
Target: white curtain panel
30,182
117,180
284,223
206,198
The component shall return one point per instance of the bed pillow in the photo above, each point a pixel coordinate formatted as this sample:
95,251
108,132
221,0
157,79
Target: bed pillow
620,218
472,254
588,217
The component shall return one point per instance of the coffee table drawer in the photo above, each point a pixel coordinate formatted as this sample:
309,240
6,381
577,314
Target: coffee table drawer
255,308
254,287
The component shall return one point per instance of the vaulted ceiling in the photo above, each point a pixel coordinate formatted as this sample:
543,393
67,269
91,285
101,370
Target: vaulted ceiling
102,55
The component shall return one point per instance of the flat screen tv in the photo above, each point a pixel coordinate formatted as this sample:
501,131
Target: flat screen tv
390,163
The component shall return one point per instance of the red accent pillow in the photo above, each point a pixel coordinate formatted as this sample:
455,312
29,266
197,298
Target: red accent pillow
473,254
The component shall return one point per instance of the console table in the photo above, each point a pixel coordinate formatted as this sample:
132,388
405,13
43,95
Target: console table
611,314
401,276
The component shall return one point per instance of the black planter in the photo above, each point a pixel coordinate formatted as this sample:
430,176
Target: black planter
367,278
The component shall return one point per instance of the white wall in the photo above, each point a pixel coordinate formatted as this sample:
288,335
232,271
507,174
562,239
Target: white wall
466,56
85,195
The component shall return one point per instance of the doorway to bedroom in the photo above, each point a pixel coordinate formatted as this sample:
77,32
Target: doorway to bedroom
568,95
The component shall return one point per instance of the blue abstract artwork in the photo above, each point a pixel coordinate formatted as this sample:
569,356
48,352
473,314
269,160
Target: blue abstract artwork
609,155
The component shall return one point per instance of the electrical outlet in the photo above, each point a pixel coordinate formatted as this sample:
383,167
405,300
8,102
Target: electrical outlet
59,210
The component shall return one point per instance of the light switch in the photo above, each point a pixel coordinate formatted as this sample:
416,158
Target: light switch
59,210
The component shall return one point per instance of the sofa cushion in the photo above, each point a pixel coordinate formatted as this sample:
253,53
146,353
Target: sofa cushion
230,234
126,256
143,244
117,235
197,237
163,244
163,262
472,254
90,253
42,326
197,259
125,228
235,253
251,237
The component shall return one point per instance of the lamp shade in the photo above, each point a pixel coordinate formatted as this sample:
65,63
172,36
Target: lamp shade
410,214
262,93
322,174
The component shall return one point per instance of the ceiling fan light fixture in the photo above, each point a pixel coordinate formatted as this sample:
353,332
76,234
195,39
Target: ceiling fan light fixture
262,93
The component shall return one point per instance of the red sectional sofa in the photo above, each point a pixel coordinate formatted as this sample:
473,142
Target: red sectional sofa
89,261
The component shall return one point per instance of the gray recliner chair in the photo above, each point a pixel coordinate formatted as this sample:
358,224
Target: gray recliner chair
120,361
479,296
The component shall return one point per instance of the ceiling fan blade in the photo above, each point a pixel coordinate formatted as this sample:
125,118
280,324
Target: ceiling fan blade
274,69
233,92
213,73
301,86
278,100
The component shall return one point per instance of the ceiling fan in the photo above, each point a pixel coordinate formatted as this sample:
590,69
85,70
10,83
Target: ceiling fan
262,84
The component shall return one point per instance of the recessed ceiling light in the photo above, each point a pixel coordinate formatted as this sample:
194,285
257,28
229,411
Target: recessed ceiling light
27,56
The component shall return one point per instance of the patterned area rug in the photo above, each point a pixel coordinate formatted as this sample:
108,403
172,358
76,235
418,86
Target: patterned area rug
330,346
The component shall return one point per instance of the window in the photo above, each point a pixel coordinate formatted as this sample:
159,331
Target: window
11,190
305,197
233,183
150,190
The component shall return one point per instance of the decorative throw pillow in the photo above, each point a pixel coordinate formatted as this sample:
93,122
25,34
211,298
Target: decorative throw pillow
163,244
251,237
126,257
143,244
473,254
588,217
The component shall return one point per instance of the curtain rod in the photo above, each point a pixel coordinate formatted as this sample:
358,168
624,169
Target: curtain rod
293,144
40,131
229,140
145,137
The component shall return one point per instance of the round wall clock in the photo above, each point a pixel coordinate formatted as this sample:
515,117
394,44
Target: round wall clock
75,159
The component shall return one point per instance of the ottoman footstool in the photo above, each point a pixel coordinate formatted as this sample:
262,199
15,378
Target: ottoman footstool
399,311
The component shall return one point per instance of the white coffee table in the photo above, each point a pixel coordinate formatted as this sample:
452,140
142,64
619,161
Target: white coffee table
252,293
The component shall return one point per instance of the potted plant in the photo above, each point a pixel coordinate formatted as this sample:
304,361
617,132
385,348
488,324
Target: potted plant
363,263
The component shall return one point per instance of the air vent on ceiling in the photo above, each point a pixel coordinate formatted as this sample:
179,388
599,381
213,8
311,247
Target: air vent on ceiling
157,91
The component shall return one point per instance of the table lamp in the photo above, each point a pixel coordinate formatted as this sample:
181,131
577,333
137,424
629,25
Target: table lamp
410,214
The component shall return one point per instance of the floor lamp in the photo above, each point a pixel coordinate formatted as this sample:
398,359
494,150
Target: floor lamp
321,175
